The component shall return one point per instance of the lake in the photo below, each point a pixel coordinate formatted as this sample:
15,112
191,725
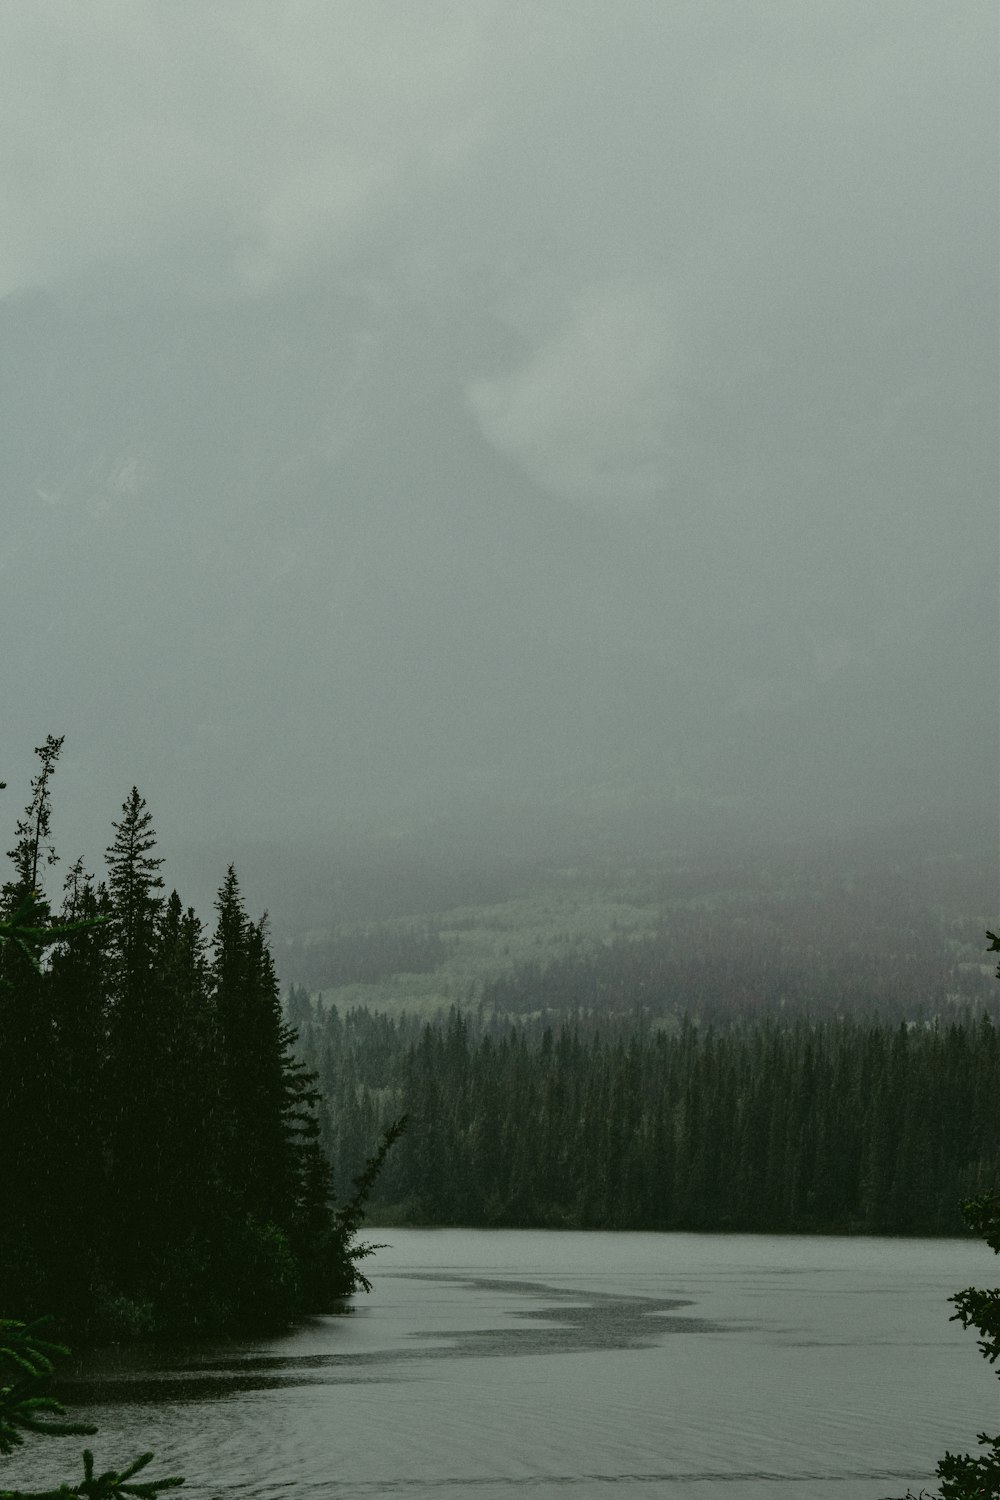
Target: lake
532,1363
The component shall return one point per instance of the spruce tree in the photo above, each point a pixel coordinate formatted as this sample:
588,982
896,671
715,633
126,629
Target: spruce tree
134,1067
29,1111
34,848
248,1015
76,981
135,883
184,1195
271,1167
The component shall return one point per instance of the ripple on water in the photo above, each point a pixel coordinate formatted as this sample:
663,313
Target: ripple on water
739,1367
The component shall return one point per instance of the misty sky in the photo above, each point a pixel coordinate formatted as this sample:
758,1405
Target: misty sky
412,408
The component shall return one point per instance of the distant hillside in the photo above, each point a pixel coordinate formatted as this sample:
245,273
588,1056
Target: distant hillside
871,926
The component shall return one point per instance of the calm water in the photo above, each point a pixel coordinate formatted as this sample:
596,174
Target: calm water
528,1363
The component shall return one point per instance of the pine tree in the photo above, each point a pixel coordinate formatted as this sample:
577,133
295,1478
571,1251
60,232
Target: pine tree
76,981
248,1014
184,1195
276,1178
135,883
33,833
134,1068
29,1120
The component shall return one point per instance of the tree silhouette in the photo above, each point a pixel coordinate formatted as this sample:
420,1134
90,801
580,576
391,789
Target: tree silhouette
27,1408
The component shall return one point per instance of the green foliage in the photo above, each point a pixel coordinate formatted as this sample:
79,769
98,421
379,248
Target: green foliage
981,1309
27,928
26,1363
34,847
116,1318
266,1274
347,1248
26,1408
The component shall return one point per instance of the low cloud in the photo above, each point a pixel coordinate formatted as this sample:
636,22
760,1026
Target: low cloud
593,414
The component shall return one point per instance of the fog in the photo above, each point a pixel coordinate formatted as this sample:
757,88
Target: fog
528,420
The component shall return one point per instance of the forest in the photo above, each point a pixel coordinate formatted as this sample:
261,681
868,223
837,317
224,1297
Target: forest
161,1168
780,1124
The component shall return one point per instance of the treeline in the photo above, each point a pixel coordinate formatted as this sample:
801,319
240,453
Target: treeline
855,1126
364,954
159,1161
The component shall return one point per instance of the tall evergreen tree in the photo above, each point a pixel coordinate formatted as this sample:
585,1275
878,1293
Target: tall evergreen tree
34,847
272,1165
248,1014
135,1082
184,1191
28,1052
135,883
76,981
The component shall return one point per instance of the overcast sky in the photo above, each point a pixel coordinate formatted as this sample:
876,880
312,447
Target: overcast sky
416,406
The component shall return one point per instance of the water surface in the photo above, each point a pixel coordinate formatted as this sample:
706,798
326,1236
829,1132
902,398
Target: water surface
537,1364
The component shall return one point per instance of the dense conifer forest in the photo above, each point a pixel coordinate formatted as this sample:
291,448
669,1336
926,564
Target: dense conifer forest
777,1124
161,1168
